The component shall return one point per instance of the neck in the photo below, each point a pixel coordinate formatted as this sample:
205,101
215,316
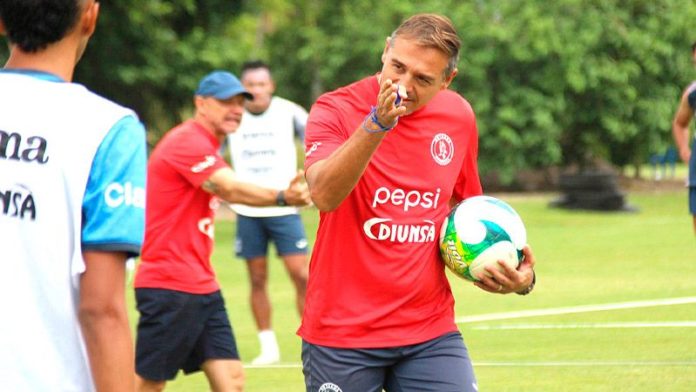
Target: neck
53,60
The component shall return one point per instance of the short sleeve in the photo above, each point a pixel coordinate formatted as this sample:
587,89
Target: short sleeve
113,209
325,132
194,158
468,182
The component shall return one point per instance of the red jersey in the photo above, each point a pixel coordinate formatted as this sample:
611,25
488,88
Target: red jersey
179,213
375,277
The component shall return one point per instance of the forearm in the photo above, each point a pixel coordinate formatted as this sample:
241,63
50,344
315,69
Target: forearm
109,346
331,180
104,321
248,194
680,134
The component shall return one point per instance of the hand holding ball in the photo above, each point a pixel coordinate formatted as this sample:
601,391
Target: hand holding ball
478,232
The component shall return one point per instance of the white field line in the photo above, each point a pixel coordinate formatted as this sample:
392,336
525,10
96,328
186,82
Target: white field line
298,365
574,309
638,324
585,363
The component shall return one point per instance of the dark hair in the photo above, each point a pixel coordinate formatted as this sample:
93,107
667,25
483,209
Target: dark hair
433,31
32,25
253,64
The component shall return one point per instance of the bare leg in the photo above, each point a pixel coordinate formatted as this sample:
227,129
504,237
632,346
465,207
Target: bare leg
296,265
224,375
260,304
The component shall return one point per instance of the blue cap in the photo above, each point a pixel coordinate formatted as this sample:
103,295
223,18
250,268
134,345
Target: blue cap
221,85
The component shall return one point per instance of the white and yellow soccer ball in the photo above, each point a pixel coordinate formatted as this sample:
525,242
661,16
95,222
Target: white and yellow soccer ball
478,232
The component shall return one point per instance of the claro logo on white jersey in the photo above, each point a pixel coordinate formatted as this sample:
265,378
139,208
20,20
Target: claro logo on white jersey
200,166
117,194
384,229
407,199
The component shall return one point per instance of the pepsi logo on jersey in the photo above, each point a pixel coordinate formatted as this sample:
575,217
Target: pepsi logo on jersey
407,199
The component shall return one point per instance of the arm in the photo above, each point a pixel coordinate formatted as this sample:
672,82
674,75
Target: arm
332,179
104,321
224,184
680,126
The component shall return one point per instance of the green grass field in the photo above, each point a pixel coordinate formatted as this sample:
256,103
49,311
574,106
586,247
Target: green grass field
615,305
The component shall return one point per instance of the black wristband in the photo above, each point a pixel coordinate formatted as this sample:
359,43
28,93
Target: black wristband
280,199
530,287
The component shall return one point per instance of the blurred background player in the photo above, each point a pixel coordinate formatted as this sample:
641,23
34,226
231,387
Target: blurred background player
680,131
72,178
264,153
379,312
183,321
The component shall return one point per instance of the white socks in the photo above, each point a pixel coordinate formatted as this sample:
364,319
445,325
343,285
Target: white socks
270,353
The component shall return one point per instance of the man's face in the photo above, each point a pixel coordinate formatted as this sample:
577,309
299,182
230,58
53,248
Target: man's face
221,116
259,83
421,70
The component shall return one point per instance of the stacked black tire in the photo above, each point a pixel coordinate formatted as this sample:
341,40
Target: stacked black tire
591,191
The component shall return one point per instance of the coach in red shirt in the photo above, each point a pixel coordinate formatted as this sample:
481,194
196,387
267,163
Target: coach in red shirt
387,157
183,322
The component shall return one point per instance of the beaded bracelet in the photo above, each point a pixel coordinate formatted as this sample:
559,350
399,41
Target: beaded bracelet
372,116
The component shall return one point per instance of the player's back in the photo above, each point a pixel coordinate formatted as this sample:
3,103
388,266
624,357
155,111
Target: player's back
49,133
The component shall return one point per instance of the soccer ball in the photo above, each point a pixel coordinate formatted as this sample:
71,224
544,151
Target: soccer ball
478,232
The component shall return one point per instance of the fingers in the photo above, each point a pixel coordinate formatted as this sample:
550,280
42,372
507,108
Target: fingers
299,178
297,193
503,279
387,110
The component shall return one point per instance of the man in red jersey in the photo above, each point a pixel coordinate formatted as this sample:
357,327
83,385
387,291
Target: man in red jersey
183,322
384,168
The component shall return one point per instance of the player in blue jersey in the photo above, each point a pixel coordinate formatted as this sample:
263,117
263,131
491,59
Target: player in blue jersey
680,131
72,177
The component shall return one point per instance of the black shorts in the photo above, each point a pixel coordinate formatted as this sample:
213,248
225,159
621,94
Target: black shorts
179,330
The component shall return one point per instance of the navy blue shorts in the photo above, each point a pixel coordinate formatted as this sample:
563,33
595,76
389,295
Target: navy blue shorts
179,330
692,200
253,234
438,365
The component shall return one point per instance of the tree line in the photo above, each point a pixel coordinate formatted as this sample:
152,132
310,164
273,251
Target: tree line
553,84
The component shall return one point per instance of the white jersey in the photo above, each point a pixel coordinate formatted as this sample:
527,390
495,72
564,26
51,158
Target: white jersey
263,151
50,133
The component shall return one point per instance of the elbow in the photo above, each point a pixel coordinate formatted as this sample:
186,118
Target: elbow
93,316
323,201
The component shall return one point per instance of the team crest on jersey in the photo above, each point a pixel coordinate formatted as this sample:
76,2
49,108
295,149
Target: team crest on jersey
442,149
329,387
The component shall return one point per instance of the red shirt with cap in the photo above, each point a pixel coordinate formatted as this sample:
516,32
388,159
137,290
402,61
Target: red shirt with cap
376,278
179,215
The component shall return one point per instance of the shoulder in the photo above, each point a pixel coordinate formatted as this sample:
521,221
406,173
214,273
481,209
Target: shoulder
690,89
285,104
452,102
96,102
359,91
689,95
